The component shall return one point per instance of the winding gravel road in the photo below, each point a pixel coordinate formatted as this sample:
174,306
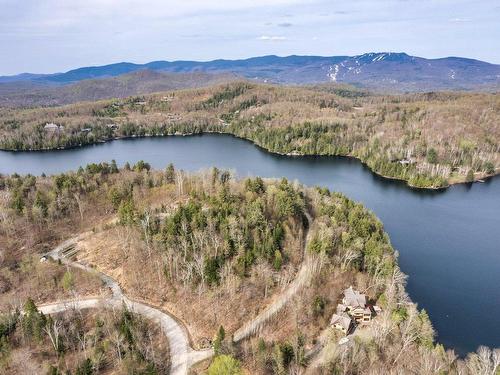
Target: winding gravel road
182,356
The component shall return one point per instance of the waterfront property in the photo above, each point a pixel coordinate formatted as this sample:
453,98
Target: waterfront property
356,307
352,311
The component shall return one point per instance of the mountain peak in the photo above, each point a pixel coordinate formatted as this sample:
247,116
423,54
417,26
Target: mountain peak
383,56
376,70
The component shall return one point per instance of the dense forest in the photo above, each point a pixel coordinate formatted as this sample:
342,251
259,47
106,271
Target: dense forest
214,251
428,140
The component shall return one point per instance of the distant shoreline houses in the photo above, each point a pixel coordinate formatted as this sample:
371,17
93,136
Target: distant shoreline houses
51,127
353,311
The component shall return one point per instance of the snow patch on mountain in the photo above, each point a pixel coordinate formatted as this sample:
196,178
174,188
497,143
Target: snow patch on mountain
333,71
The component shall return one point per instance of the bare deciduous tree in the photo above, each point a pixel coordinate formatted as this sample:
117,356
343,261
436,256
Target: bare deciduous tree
53,331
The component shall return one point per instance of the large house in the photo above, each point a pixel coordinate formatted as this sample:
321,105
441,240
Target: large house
355,304
352,311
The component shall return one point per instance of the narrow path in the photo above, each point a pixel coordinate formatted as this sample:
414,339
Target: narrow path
182,356
304,276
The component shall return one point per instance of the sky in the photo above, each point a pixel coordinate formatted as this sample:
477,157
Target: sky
46,36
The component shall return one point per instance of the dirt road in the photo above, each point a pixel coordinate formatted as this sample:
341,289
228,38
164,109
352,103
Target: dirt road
182,356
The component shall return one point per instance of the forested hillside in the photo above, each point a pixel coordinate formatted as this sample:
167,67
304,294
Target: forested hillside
32,94
80,343
214,252
428,140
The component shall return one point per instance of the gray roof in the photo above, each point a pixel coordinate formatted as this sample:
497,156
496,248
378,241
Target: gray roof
353,298
344,320
341,308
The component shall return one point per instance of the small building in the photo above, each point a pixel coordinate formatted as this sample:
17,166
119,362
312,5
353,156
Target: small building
407,161
342,322
112,126
50,126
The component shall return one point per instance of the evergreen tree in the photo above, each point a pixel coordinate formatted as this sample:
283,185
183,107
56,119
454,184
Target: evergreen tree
219,340
170,174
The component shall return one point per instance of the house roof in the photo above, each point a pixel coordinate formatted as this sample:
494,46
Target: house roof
51,125
344,320
353,298
341,308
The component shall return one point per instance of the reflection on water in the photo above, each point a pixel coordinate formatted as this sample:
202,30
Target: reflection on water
448,240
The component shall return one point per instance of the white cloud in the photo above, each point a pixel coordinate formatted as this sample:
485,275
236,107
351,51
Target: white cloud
56,35
43,12
459,20
272,37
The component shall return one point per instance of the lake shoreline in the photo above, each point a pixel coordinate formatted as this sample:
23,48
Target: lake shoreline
477,179
446,239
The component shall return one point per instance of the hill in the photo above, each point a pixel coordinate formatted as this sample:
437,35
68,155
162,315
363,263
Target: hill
260,266
383,71
428,140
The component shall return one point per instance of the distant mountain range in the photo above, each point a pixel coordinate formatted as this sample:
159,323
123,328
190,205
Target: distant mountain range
384,71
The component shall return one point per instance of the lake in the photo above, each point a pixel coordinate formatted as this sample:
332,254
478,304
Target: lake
449,240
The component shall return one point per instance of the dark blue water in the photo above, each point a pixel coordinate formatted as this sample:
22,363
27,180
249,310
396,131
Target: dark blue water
449,241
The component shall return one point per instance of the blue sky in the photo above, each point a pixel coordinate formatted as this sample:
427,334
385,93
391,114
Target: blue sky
57,35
